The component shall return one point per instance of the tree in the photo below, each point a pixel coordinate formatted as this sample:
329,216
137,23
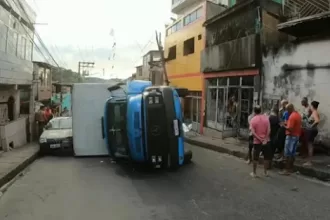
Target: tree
68,76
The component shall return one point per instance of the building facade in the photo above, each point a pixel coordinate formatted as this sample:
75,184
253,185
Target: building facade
16,68
184,41
232,62
42,82
301,67
139,73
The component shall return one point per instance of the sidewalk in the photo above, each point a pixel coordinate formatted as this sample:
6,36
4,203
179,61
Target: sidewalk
13,162
238,148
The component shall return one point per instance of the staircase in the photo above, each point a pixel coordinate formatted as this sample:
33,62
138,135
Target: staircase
296,9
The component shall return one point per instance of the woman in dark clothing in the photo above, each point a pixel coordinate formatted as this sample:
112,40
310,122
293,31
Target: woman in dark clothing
274,128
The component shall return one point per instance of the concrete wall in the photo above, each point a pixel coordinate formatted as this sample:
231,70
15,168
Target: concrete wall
13,134
298,70
14,70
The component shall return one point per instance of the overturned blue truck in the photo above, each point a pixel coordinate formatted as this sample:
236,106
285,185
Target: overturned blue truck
145,126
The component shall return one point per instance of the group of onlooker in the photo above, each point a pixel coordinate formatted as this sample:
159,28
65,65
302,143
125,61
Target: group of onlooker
280,132
45,114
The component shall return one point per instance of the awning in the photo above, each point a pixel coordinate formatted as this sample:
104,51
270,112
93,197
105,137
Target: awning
308,26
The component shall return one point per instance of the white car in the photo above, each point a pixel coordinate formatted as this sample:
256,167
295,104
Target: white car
57,136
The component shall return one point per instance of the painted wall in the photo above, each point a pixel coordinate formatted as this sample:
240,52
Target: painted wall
66,100
15,49
189,64
298,70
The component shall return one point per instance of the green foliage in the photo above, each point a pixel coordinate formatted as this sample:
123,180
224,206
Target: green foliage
68,76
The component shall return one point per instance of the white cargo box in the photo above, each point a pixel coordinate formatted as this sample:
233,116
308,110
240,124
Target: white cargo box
88,100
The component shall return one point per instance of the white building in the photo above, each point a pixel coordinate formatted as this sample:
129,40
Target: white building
148,69
181,7
16,72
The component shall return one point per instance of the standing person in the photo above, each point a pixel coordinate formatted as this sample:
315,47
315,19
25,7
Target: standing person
311,130
274,129
306,113
250,140
293,131
260,128
41,120
232,111
283,117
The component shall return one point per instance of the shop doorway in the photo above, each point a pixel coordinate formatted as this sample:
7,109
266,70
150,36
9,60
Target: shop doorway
229,103
192,110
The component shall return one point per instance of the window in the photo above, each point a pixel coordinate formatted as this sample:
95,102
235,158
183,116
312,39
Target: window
189,46
49,77
199,13
28,51
199,37
4,15
187,20
193,16
3,37
169,31
21,47
172,53
11,42
174,28
60,123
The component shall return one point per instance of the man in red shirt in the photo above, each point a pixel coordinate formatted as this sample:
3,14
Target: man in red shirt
260,128
293,132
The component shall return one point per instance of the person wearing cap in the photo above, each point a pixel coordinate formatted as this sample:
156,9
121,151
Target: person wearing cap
293,131
260,128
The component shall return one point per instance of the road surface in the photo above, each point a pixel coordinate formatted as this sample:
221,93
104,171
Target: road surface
214,186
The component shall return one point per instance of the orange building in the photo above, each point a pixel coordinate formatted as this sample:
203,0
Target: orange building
184,41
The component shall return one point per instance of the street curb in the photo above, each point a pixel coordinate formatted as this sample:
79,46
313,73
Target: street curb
5,181
307,171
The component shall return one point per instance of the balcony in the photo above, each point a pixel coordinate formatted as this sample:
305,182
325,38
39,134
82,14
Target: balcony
235,54
179,5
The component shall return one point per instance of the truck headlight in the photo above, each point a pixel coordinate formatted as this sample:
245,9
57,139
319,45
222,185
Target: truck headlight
42,140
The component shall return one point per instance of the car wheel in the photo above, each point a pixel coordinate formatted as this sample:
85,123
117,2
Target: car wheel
42,152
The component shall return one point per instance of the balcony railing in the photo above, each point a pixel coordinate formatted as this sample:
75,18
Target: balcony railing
179,5
296,9
235,54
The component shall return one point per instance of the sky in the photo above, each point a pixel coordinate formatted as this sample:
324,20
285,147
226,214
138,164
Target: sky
80,30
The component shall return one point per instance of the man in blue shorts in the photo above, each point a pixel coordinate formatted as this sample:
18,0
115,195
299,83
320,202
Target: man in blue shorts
293,131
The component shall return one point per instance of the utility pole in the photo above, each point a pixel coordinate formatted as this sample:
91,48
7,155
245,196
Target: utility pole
83,65
161,51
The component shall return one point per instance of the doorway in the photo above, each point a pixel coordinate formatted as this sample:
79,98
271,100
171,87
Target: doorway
229,103
11,108
192,110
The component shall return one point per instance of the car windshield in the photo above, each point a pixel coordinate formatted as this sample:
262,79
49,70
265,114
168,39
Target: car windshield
60,123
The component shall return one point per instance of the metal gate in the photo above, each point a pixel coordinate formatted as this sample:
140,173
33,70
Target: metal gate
192,110
229,103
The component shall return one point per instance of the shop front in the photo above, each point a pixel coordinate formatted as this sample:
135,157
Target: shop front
192,108
229,102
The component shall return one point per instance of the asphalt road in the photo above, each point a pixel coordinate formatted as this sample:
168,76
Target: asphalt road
214,186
